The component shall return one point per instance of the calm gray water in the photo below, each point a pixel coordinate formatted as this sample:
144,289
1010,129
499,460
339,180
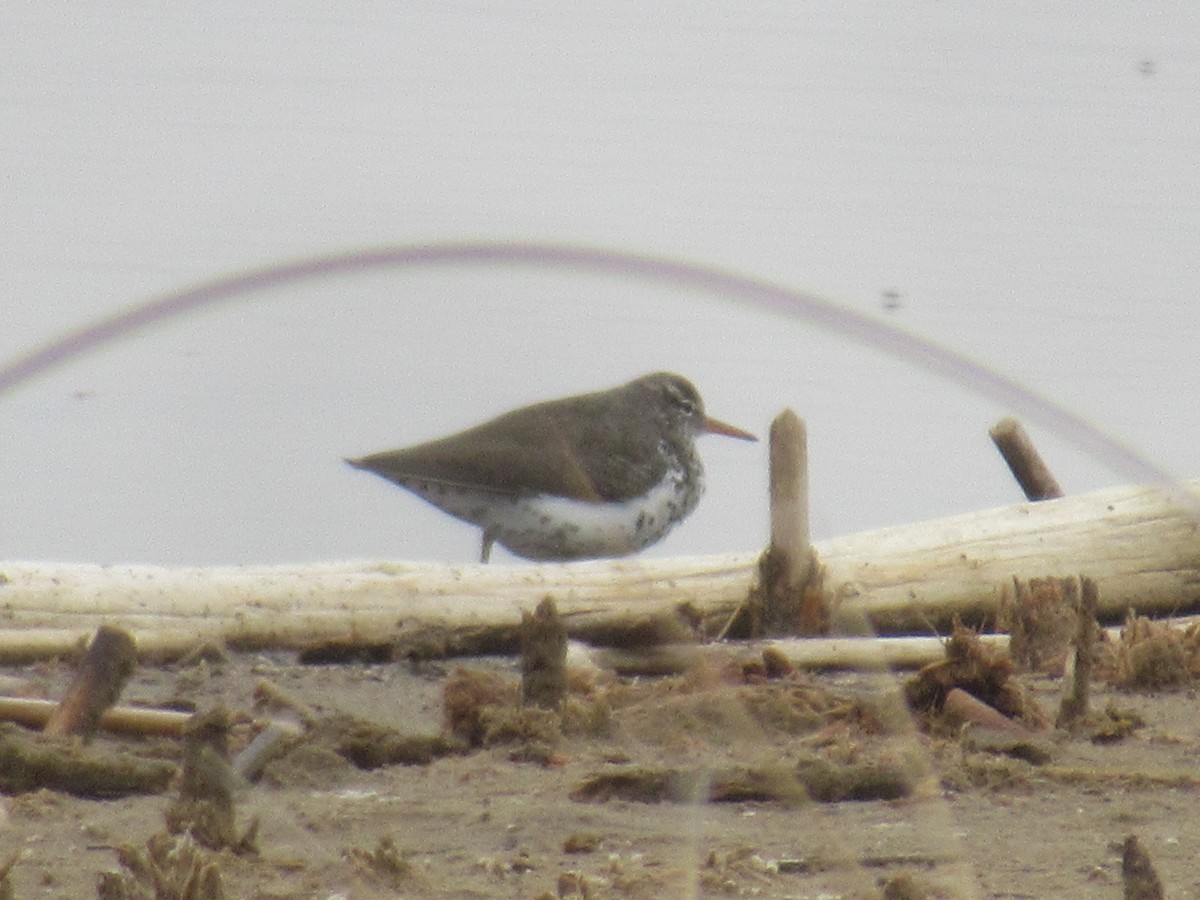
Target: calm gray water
1017,183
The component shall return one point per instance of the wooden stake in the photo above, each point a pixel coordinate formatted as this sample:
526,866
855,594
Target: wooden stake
1137,872
107,666
788,606
1074,706
1026,464
963,707
543,657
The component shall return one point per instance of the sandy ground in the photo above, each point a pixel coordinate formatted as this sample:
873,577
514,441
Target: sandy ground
509,820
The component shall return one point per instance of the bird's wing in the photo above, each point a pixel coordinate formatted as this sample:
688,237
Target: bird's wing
531,451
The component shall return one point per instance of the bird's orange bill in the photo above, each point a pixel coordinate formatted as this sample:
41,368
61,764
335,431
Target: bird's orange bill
716,426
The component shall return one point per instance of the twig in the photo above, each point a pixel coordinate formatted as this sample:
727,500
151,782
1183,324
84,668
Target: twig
272,741
270,694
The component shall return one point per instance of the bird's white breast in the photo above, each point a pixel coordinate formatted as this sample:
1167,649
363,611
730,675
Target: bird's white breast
548,527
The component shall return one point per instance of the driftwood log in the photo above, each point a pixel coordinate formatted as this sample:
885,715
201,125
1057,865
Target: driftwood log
857,653
35,713
1140,544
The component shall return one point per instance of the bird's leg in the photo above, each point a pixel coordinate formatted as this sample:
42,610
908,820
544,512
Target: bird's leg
485,551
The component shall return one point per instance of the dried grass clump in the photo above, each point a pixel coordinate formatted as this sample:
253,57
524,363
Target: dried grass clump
483,709
171,867
1151,656
982,671
1040,615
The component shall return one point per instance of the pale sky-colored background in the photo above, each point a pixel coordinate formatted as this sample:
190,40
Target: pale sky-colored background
1024,178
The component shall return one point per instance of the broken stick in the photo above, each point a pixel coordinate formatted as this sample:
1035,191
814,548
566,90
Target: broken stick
1024,461
109,662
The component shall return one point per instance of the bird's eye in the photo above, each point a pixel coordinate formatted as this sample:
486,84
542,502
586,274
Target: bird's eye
684,400
686,404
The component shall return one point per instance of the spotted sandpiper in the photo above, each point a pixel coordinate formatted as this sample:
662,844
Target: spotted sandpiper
601,474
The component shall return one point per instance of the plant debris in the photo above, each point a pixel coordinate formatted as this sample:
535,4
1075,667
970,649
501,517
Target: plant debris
29,761
983,672
814,777
1114,724
1151,656
1040,616
385,866
171,867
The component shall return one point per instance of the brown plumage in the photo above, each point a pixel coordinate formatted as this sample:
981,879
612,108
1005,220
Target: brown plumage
607,447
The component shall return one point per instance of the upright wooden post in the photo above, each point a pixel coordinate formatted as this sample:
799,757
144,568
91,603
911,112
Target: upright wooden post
791,604
543,657
1074,706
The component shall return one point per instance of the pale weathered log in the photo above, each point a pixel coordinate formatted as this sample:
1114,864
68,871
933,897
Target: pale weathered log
862,654
294,606
154,643
856,653
1140,544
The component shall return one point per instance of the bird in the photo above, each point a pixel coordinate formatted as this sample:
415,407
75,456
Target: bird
597,475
